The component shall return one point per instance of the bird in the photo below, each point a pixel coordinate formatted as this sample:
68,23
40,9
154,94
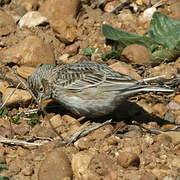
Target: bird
87,88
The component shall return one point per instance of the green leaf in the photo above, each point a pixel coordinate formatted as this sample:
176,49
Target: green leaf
165,54
3,178
126,38
89,51
15,120
165,30
3,166
34,119
3,112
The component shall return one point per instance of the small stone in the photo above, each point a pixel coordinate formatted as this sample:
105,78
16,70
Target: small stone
175,9
174,105
55,165
163,138
19,97
148,176
137,54
65,32
32,19
109,6
21,130
126,159
25,71
32,51
169,116
159,109
112,140
7,24
145,106
177,98
30,5
80,163
72,49
163,69
177,64
56,121
60,10
125,69
175,137
83,143
27,171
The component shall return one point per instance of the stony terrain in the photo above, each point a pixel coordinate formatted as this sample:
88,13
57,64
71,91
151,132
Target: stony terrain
55,31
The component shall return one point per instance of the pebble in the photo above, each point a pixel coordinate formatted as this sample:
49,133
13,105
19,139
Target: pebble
137,54
32,19
126,69
160,109
25,71
148,176
80,162
7,24
65,32
175,136
32,51
60,10
177,98
55,165
126,159
20,97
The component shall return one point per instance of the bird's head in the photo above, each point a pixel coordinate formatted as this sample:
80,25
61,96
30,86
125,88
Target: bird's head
39,83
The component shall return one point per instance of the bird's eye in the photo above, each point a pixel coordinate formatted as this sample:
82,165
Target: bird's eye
41,89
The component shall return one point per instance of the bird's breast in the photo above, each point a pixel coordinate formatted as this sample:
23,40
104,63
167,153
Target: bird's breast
89,102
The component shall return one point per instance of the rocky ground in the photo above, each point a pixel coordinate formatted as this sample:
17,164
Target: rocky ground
45,31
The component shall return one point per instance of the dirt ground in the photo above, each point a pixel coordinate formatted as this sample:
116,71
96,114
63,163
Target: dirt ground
133,146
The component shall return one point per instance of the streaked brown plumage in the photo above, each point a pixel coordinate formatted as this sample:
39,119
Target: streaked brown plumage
87,88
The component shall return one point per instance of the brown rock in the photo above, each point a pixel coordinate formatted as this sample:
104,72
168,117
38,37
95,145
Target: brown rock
177,98
30,5
65,32
103,166
40,131
56,121
163,69
72,49
18,98
109,6
32,51
125,69
175,137
84,143
55,166
160,109
148,176
145,106
60,10
21,130
177,64
175,9
174,105
27,171
137,54
176,162
25,71
7,24
32,19
80,163
126,159
163,138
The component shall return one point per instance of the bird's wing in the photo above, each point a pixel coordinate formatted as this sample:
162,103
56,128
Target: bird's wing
80,76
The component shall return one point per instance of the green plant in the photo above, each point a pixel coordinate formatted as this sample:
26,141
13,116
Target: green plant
162,38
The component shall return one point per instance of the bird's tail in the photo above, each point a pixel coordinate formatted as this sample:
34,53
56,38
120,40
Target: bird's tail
145,88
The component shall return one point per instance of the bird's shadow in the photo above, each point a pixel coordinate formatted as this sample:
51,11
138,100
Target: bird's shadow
126,111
